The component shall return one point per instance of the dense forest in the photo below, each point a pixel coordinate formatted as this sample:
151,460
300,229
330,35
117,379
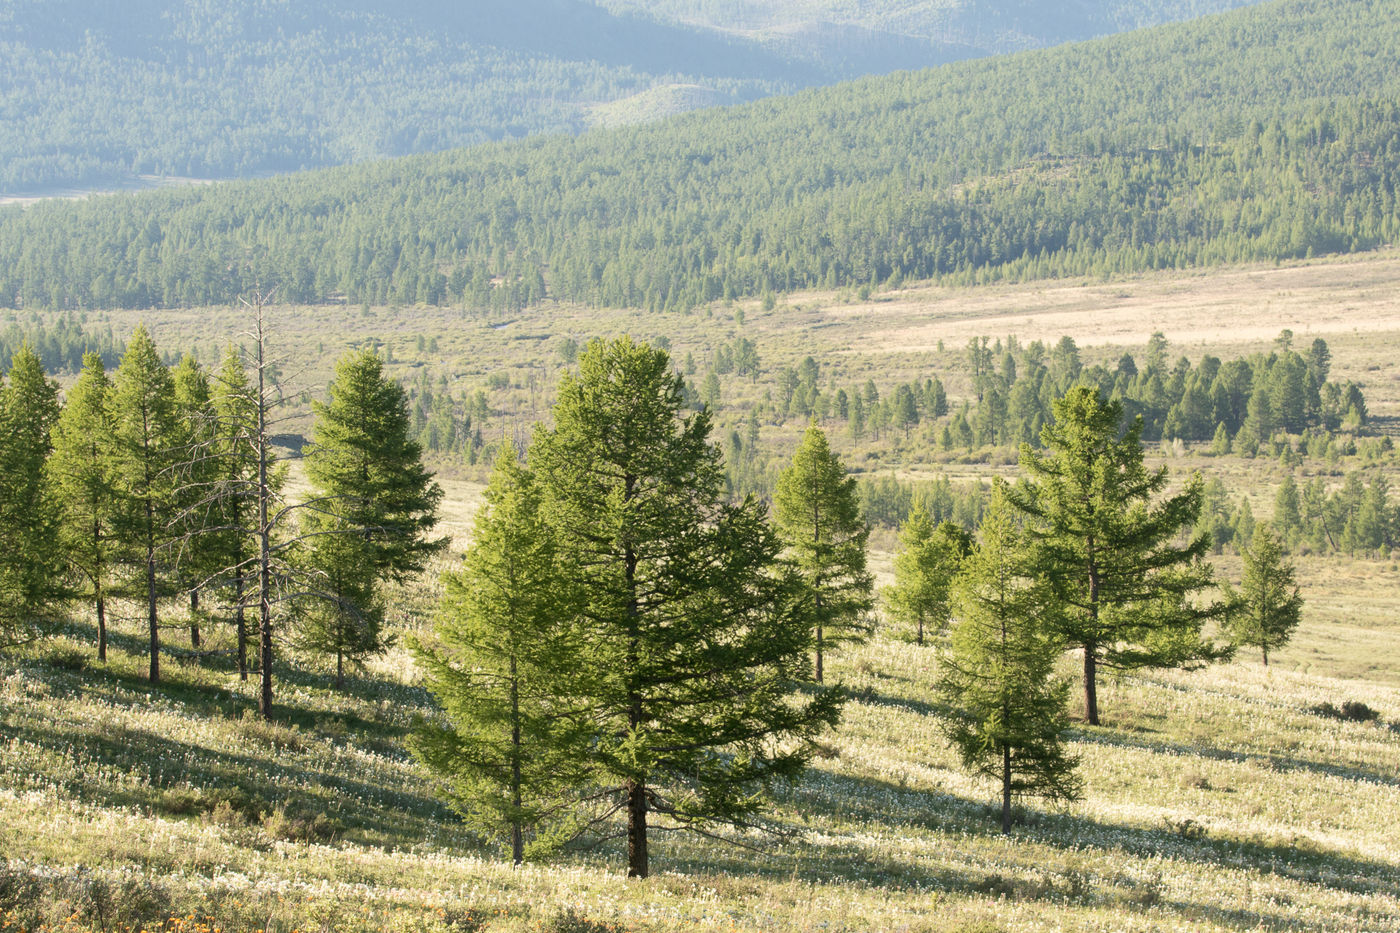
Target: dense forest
1265,133
93,94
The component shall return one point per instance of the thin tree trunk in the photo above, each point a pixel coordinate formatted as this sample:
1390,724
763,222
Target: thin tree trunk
339,668
264,540
517,840
240,621
101,625
637,866
194,619
819,652
1091,695
151,602
1005,789
1266,655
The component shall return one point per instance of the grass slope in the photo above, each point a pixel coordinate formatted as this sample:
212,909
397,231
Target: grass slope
1217,800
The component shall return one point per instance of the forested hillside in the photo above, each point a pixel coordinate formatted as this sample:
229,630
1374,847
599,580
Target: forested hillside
1265,133
848,30
92,94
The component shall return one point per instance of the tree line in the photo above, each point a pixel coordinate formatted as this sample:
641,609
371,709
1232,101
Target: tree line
157,485
1278,140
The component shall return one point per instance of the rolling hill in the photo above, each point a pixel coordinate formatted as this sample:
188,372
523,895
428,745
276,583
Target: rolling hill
93,94
1264,133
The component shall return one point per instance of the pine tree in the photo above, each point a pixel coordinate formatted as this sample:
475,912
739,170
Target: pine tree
235,407
371,484
81,468
1006,709
691,623
924,569
31,557
197,472
817,513
146,436
1269,606
1109,549
513,749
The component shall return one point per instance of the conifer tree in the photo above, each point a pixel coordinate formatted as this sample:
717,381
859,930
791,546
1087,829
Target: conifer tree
236,407
924,569
196,510
1109,549
1006,709
369,483
146,441
513,749
31,558
689,619
1269,606
817,513
81,468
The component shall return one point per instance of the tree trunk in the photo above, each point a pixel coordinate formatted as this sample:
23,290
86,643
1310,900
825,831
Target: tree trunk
1266,655
151,603
819,652
1091,694
517,840
264,538
240,622
636,830
339,669
1005,789
101,625
194,619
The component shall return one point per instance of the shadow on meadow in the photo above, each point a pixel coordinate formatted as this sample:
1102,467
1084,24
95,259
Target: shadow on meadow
1119,738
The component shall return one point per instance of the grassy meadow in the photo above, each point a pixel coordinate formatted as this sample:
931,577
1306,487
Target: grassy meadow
1231,798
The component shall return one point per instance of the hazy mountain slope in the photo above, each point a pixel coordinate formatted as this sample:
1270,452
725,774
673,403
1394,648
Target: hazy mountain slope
1264,133
840,33
93,92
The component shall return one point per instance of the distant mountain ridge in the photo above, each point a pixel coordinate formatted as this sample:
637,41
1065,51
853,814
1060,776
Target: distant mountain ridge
93,92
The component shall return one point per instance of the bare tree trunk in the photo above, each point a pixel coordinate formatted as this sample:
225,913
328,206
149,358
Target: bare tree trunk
517,840
636,830
101,625
1091,694
264,533
151,597
240,621
194,619
1005,789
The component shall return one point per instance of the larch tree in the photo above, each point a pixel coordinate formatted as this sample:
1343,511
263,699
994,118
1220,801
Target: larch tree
236,408
690,619
1005,706
1268,607
196,507
1131,592
817,514
368,482
512,750
31,556
81,468
146,440
924,568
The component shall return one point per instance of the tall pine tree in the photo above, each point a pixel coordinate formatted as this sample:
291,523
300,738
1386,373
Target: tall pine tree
690,622
513,750
1111,552
82,468
146,447
1006,709
31,558
817,514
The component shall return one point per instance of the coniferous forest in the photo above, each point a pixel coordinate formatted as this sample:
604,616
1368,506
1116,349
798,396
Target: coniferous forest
950,500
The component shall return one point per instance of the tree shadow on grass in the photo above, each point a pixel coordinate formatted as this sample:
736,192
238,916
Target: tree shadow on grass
829,799
1137,740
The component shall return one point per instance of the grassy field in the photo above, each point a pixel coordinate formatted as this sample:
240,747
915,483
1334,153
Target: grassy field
1233,798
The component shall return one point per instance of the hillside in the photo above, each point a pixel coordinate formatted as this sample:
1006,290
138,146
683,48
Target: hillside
1265,133
94,95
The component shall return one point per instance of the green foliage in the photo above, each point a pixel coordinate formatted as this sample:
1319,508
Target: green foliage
816,510
81,470
370,486
924,567
511,753
1006,709
146,451
1269,606
31,555
1128,590
1276,141
692,626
